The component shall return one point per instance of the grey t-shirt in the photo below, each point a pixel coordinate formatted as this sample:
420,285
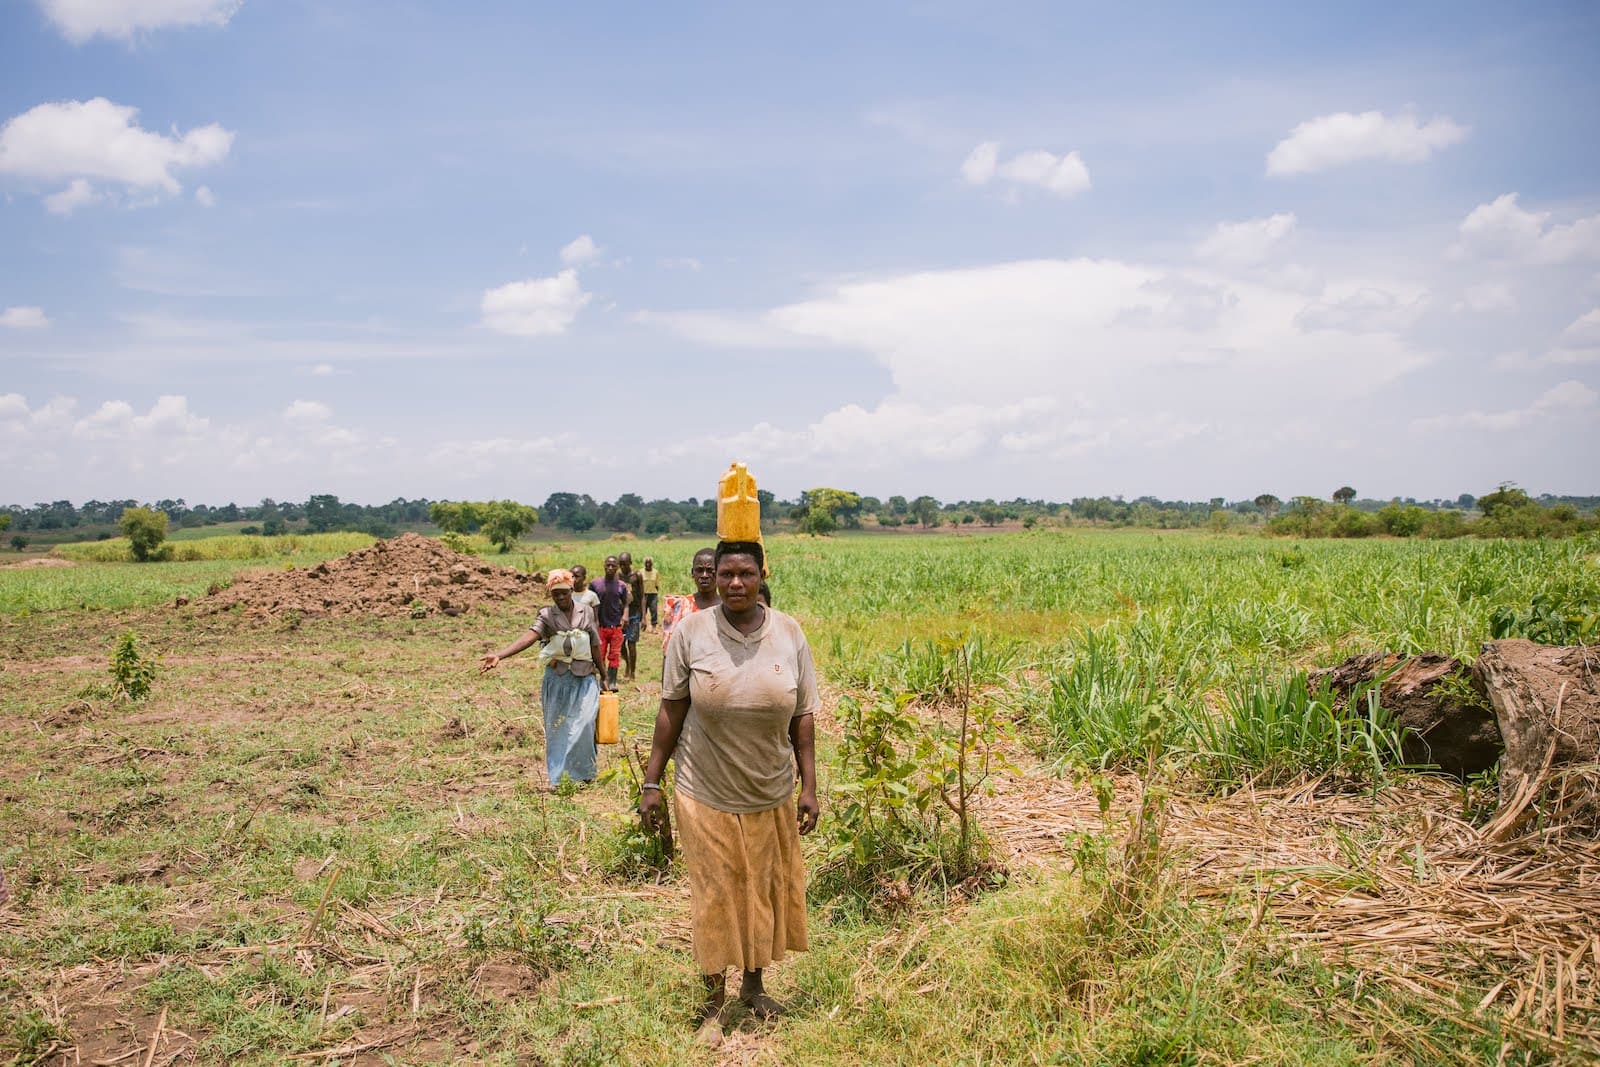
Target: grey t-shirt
744,689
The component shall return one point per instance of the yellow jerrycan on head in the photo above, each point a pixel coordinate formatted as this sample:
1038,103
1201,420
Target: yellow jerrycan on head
607,727
738,506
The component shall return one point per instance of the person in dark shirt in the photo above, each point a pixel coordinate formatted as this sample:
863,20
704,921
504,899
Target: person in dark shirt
630,629
614,595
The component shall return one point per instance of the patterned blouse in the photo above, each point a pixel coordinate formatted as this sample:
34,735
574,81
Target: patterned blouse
674,610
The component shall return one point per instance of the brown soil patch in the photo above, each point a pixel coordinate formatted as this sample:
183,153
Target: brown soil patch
390,578
40,561
504,980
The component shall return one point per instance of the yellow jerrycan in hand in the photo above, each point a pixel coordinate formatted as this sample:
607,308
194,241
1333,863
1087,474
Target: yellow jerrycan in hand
738,507
607,727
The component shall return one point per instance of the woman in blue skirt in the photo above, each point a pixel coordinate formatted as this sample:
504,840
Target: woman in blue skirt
570,693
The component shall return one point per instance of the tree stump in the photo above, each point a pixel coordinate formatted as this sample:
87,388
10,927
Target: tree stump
1447,725
1547,701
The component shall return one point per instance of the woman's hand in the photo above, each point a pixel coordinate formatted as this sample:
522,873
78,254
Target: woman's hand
807,810
488,663
651,810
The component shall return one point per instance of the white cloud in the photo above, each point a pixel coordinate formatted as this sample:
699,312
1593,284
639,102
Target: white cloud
55,416
170,414
71,198
1204,353
339,436
13,406
24,318
168,417
688,263
1247,242
1579,342
1367,309
1504,230
535,307
1568,397
322,370
580,251
79,20
110,419
981,163
1487,298
1339,139
307,411
101,140
205,197
1062,175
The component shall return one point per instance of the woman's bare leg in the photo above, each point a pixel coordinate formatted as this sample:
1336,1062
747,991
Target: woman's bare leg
754,994
708,1020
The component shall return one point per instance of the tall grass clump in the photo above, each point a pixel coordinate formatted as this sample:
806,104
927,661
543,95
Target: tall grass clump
1093,712
1272,733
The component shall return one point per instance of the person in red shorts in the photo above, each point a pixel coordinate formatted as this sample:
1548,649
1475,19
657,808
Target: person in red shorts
614,595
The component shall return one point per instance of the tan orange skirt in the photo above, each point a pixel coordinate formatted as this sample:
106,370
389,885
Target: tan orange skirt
747,885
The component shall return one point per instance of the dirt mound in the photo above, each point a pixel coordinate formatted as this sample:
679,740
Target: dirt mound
40,561
409,575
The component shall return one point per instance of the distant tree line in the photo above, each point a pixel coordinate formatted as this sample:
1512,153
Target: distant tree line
1507,511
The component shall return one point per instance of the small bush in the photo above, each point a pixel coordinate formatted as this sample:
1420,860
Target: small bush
456,542
903,794
1400,520
131,673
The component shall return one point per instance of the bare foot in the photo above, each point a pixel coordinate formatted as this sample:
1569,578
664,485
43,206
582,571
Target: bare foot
763,1006
709,1030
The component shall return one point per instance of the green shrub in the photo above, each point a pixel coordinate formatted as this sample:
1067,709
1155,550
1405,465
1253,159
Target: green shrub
131,674
145,529
1402,520
1548,622
1445,525
903,795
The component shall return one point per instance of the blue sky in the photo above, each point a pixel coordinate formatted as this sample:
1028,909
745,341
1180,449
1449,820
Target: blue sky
495,250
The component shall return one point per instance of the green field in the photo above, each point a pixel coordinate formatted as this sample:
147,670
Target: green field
330,838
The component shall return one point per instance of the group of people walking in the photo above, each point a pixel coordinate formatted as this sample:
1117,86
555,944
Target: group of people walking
738,697
620,599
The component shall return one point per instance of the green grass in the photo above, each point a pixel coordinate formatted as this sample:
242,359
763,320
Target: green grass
1272,732
181,845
